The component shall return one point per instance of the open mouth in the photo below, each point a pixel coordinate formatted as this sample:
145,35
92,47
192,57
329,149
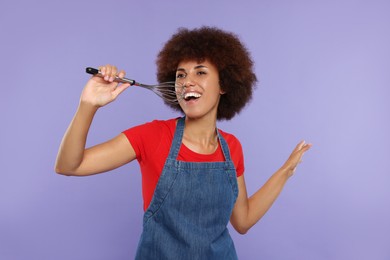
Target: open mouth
191,96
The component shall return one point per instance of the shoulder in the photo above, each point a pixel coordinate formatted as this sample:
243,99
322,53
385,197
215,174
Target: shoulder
233,143
231,139
152,127
148,137
151,132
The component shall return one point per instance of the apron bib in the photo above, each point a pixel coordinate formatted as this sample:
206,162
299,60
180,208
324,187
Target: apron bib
190,209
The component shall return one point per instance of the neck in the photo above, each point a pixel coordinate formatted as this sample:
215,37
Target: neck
200,135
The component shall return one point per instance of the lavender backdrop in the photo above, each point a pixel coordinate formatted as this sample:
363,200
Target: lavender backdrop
324,77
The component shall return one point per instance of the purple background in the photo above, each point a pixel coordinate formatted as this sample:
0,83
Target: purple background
323,69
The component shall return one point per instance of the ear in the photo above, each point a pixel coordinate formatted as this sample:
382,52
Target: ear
221,91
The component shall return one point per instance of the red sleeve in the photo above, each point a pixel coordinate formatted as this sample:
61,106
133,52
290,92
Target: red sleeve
151,142
238,158
144,138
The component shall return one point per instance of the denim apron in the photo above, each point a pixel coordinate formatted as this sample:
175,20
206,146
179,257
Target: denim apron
190,209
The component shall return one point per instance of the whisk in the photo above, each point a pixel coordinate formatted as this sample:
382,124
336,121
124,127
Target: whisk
170,92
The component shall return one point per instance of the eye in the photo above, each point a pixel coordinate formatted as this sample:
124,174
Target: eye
201,72
180,75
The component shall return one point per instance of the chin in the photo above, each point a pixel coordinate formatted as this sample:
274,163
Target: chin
195,116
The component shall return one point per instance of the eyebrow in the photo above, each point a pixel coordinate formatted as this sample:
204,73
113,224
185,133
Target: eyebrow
196,67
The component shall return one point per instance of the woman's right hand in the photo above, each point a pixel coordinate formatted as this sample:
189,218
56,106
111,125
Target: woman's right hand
99,91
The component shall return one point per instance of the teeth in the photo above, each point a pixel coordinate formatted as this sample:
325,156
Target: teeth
192,94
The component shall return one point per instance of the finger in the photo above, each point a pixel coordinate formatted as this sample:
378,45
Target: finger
303,146
113,86
102,70
301,152
299,146
306,147
121,74
107,71
113,73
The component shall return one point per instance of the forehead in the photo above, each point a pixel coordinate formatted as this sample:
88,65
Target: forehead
190,64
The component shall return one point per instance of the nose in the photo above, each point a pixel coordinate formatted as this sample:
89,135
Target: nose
184,83
188,82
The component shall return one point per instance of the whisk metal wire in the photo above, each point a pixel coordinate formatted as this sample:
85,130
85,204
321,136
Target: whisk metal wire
166,90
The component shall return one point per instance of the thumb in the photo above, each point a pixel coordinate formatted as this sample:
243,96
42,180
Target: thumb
120,89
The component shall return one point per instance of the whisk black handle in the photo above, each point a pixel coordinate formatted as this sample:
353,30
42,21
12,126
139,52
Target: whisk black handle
94,71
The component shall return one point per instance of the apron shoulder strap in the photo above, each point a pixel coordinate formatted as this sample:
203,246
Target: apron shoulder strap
177,139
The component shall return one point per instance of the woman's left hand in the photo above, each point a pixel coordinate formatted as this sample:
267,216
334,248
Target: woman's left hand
295,158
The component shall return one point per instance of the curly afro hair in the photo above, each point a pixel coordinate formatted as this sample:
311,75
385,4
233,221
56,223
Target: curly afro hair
221,48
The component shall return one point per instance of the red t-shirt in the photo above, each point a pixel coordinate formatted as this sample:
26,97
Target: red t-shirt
151,143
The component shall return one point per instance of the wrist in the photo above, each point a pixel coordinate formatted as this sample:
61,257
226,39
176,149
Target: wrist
86,111
285,171
87,107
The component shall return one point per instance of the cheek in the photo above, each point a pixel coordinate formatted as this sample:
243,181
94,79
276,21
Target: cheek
179,89
212,85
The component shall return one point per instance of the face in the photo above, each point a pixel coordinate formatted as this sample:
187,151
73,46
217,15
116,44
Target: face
199,96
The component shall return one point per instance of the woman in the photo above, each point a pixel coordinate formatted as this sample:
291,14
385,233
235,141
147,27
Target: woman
192,172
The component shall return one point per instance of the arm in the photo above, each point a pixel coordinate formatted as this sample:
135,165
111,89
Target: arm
73,158
248,211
